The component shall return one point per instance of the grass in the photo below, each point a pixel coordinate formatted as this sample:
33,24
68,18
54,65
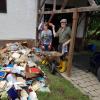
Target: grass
61,89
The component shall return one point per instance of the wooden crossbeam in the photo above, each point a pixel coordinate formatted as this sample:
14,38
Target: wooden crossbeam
92,3
43,2
71,10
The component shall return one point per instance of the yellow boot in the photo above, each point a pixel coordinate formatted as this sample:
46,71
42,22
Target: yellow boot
44,62
63,66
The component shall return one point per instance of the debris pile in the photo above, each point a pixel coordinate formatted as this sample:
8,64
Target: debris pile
20,75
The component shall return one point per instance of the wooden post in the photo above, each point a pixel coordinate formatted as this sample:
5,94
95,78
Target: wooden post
73,34
43,2
37,24
54,5
52,14
64,4
39,17
41,9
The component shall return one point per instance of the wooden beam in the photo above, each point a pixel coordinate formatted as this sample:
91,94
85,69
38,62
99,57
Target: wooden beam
54,5
51,17
37,24
38,15
64,4
92,3
73,35
41,10
43,2
54,8
71,10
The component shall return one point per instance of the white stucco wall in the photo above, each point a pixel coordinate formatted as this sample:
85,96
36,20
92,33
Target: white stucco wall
20,20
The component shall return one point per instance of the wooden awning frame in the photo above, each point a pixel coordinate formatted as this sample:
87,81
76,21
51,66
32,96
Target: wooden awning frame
72,10
93,7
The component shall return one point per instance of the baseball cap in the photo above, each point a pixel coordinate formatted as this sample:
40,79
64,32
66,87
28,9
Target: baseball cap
63,21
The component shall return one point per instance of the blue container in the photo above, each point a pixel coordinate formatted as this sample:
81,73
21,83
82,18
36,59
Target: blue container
92,47
10,66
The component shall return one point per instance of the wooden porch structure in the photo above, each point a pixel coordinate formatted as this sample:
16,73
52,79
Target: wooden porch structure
93,7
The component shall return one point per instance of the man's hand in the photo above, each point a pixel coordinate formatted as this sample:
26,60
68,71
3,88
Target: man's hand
53,29
66,43
53,26
43,48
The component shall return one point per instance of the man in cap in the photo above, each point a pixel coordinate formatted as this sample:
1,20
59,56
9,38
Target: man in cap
64,36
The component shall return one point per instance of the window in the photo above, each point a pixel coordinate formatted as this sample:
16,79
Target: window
3,6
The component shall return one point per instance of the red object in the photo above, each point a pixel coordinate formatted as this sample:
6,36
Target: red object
35,70
32,72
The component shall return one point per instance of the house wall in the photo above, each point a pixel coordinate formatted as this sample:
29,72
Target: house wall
20,20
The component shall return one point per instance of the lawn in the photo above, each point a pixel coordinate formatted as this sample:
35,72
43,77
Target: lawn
61,89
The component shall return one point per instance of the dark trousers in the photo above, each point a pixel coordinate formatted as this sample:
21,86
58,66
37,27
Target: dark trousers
46,47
